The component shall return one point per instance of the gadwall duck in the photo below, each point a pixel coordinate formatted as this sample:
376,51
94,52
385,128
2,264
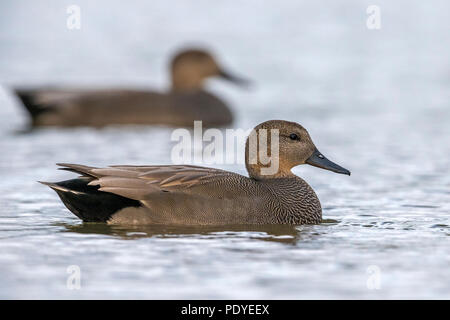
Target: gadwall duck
193,195
185,102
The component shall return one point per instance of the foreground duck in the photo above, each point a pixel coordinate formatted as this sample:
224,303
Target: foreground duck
185,102
192,195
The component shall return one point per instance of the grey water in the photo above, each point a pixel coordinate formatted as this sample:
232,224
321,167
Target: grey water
374,101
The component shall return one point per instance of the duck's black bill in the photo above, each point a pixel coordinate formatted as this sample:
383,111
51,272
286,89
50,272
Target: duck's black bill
318,160
233,78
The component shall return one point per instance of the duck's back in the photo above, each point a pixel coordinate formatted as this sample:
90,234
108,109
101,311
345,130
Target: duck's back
106,107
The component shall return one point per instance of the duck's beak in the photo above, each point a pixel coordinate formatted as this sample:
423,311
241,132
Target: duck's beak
318,160
233,78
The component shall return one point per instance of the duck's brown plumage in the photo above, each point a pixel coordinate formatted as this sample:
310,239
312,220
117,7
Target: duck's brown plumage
185,102
193,195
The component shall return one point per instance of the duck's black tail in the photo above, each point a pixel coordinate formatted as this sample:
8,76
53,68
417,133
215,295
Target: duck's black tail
86,202
28,100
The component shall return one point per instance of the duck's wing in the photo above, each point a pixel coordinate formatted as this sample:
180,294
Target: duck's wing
177,194
146,182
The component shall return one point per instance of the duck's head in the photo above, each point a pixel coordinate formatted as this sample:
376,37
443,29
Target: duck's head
274,147
191,67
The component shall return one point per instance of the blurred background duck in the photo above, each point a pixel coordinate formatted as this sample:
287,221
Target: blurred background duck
185,102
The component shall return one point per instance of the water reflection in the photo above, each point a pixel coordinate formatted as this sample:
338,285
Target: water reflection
279,233
288,234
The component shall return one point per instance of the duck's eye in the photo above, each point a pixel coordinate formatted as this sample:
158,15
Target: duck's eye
294,136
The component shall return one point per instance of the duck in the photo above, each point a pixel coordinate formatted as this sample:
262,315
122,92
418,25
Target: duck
196,196
183,103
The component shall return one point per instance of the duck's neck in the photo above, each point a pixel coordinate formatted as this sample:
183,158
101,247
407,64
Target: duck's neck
297,201
185,80
258,172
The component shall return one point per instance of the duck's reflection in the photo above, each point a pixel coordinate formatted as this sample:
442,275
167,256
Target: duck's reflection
279,233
